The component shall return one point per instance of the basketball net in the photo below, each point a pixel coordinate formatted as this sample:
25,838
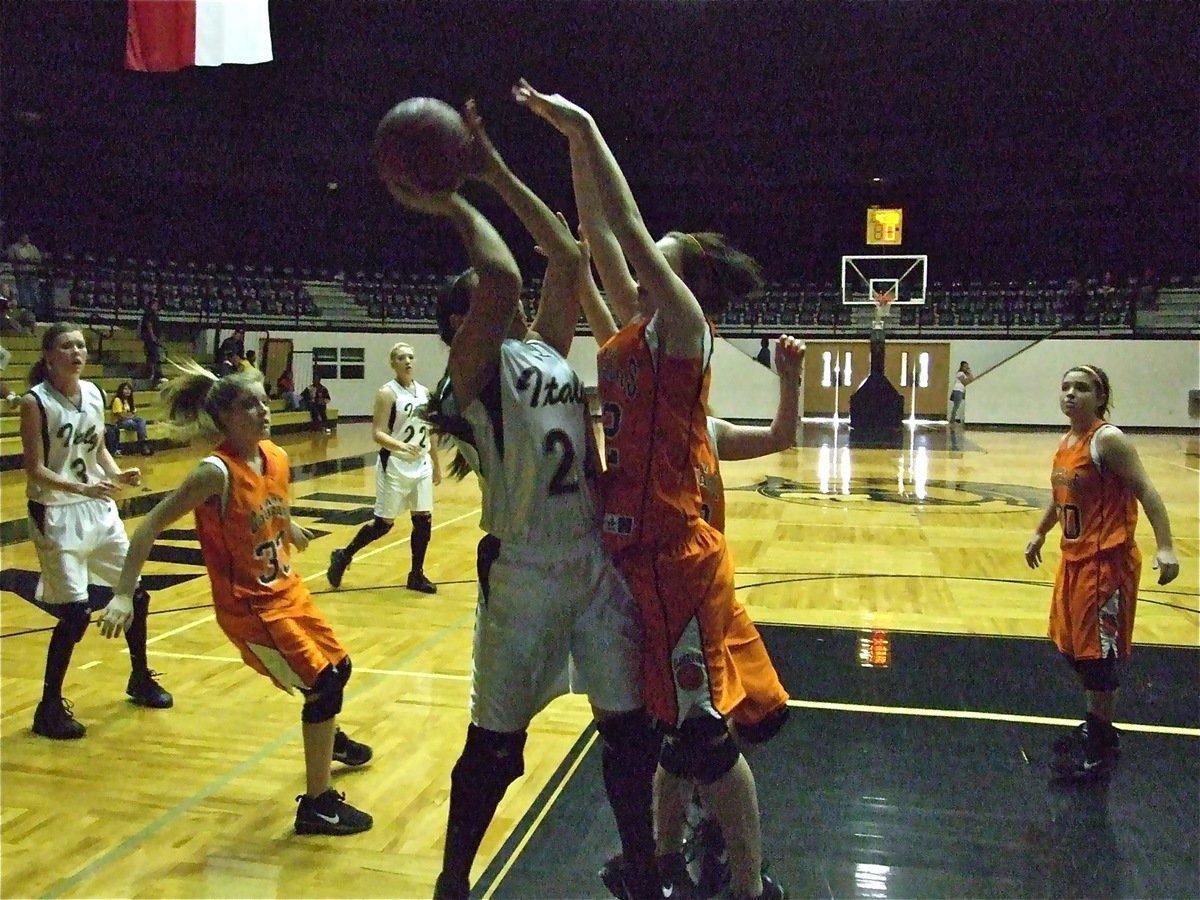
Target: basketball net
883,303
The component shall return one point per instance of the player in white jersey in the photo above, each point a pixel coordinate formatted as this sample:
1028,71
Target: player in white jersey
550,600
405,473
74,523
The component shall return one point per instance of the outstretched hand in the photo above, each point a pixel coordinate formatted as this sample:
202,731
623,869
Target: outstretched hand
789,358
554,108
486,160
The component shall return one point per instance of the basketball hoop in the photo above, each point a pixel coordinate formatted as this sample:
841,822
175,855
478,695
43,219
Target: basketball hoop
883,303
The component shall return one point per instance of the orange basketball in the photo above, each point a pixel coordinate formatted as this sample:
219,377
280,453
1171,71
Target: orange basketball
422,144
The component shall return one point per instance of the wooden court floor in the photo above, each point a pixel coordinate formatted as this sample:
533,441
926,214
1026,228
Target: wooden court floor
197,801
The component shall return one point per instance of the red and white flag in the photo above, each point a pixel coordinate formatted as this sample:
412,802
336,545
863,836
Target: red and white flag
168,35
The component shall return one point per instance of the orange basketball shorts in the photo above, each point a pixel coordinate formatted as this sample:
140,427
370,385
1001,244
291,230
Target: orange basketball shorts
702,653
1092,612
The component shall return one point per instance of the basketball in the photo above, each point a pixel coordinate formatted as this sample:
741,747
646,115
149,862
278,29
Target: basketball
422,144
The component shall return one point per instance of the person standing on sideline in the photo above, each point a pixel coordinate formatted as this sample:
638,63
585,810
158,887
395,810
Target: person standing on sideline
1097,482
240,496
764,352
553,612
654,376
77,532
150,331
958,394
405,473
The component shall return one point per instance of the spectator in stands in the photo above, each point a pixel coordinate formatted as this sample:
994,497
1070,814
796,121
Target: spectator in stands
317,398
124,410
764,352
26,259
250,361
150,331
1077,302
958,394
16,319
11,397
235,343
285,386
1148,290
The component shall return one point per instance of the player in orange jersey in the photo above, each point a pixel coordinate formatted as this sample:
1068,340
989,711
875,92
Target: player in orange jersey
756,719
1097,482
654,376
243,520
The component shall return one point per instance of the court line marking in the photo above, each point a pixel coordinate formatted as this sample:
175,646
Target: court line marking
135,840
406,673
542,813
984,716
396,543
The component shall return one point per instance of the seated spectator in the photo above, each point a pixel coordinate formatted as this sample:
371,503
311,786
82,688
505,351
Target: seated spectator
16,319
123,409
316,395
250,360
286,387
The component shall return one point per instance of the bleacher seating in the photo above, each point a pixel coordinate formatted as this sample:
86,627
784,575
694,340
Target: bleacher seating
114,358
110,291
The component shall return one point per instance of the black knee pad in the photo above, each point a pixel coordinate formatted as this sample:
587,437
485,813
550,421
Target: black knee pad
380,527
422,525
1098,674
323,700
494,755
702,750
73,620
630,741
764,730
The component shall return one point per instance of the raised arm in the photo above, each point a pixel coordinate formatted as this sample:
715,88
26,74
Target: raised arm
682,324
495,299
595,310
558,309
751,441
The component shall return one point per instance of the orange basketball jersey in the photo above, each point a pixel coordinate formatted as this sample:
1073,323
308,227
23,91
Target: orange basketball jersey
656,441
245,539
1096,510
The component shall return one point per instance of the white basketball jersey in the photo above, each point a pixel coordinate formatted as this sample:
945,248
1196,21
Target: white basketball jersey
530,450
71,435
406,424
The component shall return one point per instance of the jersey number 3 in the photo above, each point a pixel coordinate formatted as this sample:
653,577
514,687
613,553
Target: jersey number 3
268,552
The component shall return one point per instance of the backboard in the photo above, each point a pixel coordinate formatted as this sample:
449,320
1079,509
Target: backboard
900,279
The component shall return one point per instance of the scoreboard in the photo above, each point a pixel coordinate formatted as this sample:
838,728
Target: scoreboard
884,226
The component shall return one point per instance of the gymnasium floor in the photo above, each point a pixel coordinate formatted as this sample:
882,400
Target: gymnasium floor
924,778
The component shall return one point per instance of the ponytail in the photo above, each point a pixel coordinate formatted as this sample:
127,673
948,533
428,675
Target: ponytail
196,398
718,273
447,425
